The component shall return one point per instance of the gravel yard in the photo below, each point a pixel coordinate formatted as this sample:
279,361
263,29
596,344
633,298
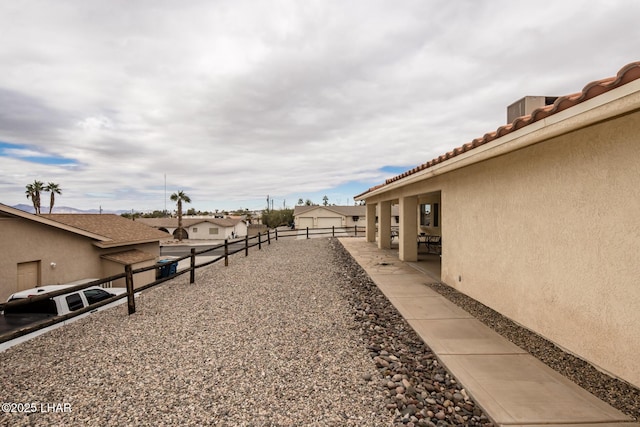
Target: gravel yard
293,335
268,340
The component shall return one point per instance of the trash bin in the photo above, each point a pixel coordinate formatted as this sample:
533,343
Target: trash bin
163,268
173,268
166,268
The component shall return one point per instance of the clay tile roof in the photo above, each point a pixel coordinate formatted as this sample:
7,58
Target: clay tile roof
116,229
628,73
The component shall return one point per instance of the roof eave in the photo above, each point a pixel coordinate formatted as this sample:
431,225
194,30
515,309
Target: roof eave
52,223
112,244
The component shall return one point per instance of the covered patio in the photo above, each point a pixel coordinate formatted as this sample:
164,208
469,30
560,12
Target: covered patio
427,262
415,234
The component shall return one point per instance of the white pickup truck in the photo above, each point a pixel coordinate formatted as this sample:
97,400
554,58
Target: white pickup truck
20,316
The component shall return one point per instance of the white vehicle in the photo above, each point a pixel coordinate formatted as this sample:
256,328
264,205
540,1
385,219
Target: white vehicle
23,315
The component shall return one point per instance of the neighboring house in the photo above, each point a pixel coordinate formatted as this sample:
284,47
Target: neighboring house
200,228
328,216
54,249
540,220
334,216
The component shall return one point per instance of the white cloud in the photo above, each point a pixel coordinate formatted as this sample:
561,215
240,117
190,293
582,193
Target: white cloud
234,100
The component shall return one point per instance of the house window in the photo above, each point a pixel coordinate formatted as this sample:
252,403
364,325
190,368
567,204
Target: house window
195,229
397,219
213,231
355,218
429,215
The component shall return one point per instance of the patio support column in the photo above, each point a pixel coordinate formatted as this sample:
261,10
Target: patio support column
408,228
384,225
371,222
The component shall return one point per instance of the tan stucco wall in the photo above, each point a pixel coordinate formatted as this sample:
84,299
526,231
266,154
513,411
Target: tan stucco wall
549,236
75,256
25,241
112,268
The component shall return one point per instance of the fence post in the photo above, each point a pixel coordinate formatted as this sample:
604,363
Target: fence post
246,245
269,237
192,279
307,232
355,231
276,234
260,240
226,253
130,297
333,231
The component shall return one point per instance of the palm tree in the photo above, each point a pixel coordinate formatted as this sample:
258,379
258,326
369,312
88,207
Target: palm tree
33,192
54,189
180,197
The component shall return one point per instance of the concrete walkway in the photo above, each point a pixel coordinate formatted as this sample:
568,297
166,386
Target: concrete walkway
512,387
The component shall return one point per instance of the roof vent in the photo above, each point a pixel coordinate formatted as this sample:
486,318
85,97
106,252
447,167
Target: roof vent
526,106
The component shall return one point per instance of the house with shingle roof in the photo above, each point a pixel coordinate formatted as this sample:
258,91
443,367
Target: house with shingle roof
40,250
207,228
317,216
539,220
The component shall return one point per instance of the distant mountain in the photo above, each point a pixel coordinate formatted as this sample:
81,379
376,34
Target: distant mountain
65,210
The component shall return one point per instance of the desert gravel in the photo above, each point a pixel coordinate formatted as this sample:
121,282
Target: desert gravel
268,341
296,334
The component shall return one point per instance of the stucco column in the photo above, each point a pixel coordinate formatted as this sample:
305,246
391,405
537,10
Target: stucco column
384,225
371,222
408,228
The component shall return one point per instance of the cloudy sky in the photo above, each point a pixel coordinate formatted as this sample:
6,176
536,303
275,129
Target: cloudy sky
235,100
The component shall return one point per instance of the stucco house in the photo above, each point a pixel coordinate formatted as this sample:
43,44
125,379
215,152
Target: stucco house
540,220
332,216
200,228
54,249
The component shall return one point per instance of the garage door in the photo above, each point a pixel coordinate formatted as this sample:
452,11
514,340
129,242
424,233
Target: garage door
329,222
304,222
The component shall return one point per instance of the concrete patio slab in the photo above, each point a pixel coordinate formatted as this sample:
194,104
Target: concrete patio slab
400,278
519,389
462,336
407,286
388,268
428,307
